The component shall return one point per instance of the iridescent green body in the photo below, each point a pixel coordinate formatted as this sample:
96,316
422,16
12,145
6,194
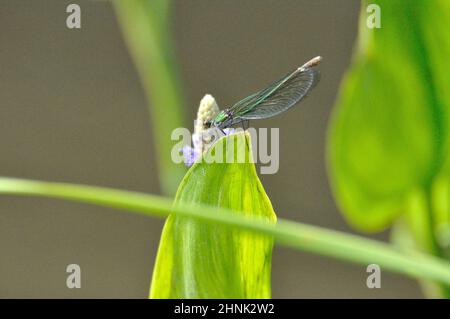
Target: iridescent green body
273,100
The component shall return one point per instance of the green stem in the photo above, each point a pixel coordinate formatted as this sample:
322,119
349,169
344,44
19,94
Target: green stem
146,31
432,245
309,238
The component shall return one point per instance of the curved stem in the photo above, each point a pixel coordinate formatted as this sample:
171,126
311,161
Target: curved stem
432,245
146,31
314,239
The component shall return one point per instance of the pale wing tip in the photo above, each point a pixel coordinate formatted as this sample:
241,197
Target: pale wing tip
311,63
316,60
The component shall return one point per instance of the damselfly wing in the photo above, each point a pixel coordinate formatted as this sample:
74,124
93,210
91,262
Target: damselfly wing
275,99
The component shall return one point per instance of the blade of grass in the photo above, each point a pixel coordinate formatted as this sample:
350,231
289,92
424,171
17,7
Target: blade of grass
145,28
309,238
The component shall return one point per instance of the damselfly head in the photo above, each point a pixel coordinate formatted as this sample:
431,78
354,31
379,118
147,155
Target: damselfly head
207,124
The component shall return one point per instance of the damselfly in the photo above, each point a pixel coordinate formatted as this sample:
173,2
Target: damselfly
273,100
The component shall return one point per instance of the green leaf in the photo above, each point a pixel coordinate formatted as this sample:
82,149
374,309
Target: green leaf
199,260
388,133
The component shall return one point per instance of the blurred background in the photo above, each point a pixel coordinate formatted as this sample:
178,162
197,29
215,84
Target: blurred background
74,110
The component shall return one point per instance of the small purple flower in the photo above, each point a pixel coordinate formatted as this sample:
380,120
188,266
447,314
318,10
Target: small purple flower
191,154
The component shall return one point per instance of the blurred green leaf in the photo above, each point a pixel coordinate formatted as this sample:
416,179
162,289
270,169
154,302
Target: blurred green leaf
198,260
388,133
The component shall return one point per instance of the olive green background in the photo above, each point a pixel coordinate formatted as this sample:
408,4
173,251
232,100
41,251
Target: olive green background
73,110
